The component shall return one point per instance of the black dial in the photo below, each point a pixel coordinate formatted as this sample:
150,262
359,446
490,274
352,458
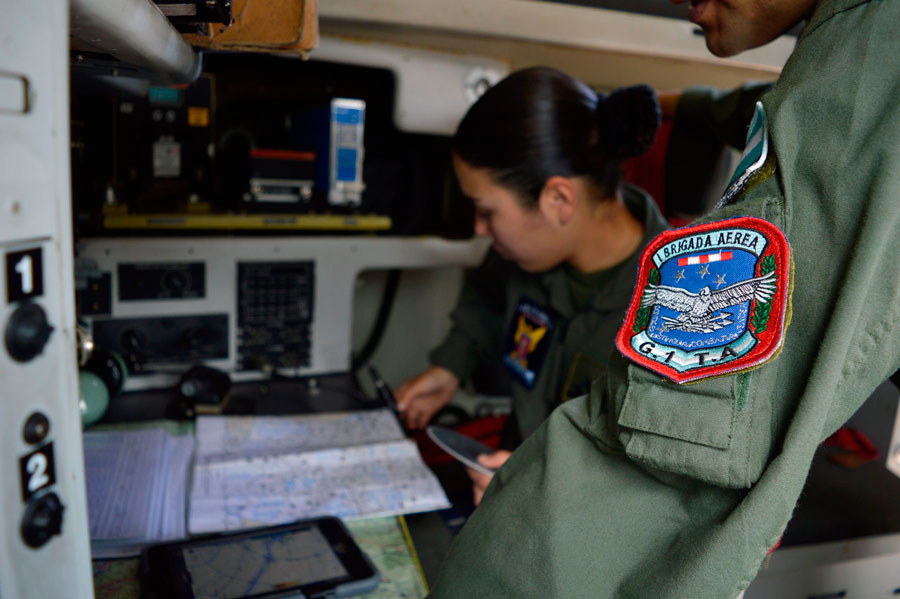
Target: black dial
42,519
175,283
27,332
134,341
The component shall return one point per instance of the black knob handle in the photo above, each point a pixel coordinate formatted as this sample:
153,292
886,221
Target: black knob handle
27,332
134,341
110,367
42,519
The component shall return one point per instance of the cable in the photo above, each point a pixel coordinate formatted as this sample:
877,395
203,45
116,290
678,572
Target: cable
384,311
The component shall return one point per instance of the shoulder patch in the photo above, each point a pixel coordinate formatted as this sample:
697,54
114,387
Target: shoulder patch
524,353
711,299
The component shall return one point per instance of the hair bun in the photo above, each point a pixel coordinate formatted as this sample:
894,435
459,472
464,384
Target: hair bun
629,119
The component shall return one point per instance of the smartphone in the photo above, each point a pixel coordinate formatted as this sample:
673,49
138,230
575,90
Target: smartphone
313,559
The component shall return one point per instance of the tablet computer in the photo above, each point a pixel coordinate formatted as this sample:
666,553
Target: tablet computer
313,558
461,447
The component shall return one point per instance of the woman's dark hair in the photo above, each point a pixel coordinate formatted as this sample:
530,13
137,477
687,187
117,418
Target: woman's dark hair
539,122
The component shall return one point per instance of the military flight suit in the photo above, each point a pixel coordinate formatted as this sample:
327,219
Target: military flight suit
648,488
573,349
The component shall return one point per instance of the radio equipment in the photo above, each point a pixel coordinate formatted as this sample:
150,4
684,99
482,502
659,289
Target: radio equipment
248,306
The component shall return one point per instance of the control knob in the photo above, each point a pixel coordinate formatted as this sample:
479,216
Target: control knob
42,519
27,332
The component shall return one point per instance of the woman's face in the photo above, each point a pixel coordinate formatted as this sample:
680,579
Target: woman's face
524,235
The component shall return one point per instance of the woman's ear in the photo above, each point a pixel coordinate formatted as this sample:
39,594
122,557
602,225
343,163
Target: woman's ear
558,200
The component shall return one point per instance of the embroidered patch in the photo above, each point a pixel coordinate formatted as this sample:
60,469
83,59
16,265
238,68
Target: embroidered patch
711,299
756,150
524,351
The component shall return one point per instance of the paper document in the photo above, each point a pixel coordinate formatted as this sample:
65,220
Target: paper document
136,485
235,437
255,471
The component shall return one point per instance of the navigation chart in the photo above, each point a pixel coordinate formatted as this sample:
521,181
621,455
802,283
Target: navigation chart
260,473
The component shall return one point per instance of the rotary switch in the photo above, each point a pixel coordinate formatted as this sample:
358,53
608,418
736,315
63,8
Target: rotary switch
42,520
27,332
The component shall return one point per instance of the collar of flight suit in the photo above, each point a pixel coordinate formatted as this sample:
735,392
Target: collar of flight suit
826,9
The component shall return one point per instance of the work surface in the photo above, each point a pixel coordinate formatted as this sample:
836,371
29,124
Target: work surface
385,539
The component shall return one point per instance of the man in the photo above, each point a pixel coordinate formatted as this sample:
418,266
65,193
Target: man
751,337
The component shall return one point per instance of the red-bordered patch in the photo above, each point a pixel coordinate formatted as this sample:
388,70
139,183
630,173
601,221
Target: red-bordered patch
711,299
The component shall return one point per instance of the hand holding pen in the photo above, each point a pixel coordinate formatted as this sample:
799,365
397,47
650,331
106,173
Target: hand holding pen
421,397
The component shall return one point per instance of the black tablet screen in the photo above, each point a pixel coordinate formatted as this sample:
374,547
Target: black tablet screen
261,563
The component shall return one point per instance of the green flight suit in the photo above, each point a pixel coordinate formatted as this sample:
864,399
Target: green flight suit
581,339
590,506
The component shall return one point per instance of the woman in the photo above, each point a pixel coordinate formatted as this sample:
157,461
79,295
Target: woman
540,155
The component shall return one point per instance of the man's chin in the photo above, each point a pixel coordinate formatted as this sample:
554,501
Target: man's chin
725,46
715,46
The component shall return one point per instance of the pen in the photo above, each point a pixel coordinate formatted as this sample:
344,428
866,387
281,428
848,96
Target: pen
387,396
384,392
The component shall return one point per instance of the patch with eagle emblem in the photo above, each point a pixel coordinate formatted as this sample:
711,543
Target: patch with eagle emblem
527,341
711,299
